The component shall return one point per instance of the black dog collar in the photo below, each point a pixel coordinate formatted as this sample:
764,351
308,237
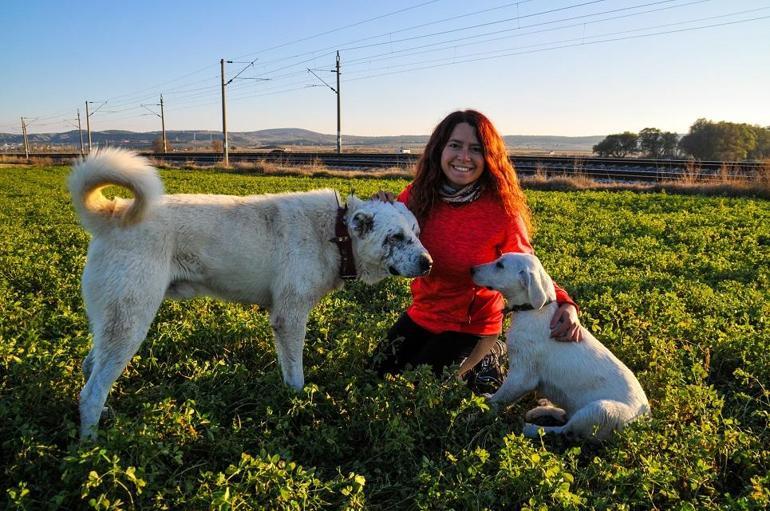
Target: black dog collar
345,245
521,307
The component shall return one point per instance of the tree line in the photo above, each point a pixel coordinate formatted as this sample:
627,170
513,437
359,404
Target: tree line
706,140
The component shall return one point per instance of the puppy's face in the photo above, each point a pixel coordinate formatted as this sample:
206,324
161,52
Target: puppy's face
520,278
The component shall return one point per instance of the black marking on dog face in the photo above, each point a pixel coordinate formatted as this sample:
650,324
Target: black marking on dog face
395,238
392,242
363,223
500,265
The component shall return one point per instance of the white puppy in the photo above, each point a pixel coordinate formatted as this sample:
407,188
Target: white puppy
279,251
597,391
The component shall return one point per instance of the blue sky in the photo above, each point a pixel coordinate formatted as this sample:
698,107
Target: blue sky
537,67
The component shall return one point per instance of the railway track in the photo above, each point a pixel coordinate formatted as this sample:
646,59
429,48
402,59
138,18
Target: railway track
623,169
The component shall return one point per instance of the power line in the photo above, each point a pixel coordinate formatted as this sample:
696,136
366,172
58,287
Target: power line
152,91
479,25
550,46
189,94
475,38
358,23
129,98
581,43
342,46
494,22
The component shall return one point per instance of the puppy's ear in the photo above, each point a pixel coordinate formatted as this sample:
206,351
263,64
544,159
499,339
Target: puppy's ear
533,282
362,223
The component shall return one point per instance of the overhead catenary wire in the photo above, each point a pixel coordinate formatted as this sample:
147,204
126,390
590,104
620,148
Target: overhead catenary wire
188,94
581,42
548,46
396,52
483,38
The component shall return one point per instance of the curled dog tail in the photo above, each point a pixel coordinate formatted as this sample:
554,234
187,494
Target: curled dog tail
112,166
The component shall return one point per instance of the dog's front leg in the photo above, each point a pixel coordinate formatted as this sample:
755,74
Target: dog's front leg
518,383
289,326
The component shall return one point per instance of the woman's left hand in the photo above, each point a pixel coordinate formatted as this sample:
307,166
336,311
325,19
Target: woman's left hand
565,325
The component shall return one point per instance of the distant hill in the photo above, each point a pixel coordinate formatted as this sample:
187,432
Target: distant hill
280,137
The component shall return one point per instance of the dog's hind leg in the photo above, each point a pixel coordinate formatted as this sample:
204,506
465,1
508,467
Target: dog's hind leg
596,421
120,325
289,326
546,414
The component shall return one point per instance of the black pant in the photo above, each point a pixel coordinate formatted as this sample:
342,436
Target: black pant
409,345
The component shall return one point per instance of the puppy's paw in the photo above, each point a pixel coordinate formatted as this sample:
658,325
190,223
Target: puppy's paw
546,416
495,406
531,430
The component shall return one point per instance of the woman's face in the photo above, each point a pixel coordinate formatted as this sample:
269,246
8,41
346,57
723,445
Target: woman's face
462,159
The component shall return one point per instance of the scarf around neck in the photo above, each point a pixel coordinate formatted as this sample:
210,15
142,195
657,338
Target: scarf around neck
463,195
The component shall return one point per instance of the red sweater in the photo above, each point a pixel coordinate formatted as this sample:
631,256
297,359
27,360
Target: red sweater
457,238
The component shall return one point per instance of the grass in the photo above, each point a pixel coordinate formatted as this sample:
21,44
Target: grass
677,286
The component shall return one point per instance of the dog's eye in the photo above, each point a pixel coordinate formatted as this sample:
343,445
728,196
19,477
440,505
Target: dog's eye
397,237
500,265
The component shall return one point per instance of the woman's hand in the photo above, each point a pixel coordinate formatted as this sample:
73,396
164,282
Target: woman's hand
565,325
384,196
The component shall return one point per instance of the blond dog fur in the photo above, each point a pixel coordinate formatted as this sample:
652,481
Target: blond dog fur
597,392
271,250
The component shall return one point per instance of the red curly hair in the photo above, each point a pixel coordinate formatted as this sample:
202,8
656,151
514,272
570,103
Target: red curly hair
498,176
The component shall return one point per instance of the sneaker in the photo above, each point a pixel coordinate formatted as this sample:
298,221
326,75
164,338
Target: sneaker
487,376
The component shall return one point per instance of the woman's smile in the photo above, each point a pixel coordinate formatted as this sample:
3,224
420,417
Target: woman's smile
462,159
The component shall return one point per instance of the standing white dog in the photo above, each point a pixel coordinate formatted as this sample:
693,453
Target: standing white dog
278,251
597,391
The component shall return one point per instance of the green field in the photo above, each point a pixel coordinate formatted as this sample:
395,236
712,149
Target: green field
678,287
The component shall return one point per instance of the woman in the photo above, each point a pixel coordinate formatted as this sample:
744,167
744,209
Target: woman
471,209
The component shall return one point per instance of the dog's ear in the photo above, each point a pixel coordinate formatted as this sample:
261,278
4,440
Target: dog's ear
353,202
362,223
533,282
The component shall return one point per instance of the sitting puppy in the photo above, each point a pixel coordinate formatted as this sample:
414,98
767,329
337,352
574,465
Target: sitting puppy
597,391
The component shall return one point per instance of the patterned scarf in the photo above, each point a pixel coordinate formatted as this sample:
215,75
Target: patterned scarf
468,193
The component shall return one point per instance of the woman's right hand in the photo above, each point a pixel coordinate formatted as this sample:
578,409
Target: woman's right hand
384,196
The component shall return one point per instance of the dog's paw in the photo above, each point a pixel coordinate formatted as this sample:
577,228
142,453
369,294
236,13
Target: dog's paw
546,416
495,406
531,430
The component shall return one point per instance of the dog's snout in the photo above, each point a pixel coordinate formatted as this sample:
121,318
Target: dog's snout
426,263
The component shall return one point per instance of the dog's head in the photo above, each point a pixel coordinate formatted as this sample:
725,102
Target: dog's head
385,240
519,277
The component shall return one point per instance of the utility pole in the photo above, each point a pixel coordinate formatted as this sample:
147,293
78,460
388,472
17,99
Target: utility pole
88,127
162,121
337,92
80,132
339,130
225,149
88,121
26,141
163,125
225,146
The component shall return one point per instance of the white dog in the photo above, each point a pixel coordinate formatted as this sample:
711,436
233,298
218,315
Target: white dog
278,251
596,390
